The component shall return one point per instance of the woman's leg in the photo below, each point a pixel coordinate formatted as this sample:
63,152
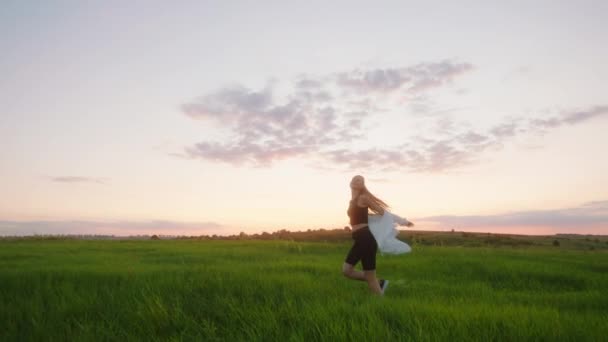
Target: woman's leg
349,272
368,260
372,281
352,258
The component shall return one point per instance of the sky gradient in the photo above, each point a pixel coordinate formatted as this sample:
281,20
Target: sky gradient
198,117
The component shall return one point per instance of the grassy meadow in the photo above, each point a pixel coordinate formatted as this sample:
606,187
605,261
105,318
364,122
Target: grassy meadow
277,290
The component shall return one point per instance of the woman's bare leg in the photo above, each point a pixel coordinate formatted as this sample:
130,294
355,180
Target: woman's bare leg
349,272
372,281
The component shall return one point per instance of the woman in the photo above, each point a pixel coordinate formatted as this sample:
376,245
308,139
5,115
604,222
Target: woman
364,247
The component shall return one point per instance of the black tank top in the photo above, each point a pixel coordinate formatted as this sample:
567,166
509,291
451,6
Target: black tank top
356,213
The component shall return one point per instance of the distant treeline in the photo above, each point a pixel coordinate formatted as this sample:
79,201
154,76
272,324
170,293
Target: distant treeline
412,237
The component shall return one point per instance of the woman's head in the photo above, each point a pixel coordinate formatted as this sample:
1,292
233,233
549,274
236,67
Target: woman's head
358,183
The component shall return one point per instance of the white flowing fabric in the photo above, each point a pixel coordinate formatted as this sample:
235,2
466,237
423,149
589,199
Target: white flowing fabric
384,231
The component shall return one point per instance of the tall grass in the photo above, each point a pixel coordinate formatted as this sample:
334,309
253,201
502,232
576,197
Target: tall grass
294,291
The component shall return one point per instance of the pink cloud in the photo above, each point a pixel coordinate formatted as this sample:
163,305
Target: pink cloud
120,228
584,219
312,122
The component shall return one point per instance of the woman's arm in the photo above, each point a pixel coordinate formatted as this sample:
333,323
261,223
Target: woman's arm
402,221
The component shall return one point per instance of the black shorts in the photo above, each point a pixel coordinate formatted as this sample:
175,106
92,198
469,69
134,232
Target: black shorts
363,249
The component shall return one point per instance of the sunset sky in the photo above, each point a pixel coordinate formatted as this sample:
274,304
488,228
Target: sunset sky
201,117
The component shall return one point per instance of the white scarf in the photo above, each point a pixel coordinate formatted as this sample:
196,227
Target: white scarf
384,231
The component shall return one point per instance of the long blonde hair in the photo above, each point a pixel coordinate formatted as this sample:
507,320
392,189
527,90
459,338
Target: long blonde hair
374,199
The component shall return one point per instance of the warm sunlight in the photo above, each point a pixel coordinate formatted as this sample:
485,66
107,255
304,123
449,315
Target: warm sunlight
215,121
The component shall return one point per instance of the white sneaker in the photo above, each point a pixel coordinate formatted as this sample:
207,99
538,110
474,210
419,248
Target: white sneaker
383,285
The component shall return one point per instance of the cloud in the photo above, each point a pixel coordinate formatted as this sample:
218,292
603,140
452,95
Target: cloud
505,130
589,214
378,80
419,155
76,179
434,157
262,131
229,104
121,228
567,117
416,78
457,148
584,115
429,75
472,138
310,120
308,83
327,119
245,152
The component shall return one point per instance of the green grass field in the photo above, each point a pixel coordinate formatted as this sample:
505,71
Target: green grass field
66,290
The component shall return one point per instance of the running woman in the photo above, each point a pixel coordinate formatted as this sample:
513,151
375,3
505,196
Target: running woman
364,247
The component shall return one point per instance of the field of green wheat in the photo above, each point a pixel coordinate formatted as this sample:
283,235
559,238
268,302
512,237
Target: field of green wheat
192,290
